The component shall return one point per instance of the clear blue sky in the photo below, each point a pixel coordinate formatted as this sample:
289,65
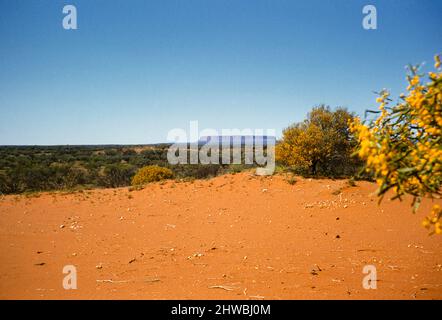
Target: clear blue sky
136,69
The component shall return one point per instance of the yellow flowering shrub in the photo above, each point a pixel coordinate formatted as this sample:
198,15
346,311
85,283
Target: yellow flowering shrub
320,144
402,147
151,174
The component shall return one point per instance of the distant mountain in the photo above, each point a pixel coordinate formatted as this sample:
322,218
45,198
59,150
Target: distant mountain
237,140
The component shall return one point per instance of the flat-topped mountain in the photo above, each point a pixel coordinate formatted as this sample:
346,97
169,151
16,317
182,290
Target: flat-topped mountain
237,140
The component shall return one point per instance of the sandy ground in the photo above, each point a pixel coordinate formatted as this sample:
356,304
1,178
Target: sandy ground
231,237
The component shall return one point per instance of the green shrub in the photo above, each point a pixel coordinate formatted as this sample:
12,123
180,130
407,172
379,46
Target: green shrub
237,168
116,175
151,174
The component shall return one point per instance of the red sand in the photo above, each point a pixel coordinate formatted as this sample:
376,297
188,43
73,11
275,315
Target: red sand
231,237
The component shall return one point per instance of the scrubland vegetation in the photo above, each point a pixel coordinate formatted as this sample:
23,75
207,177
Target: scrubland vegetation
400,148
45,168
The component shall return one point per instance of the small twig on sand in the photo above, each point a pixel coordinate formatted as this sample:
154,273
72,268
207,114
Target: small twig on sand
394,268
126,281
152,280
228,288
113,281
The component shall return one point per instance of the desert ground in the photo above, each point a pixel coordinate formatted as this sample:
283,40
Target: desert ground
231,237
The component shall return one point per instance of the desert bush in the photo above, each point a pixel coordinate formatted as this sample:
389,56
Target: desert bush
76,175
402,146
321,144
38,178
117,175
292,180
6,185
237,168
197,171
351,182
151,174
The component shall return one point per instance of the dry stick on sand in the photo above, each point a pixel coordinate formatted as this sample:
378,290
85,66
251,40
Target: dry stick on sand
228,288
113,281
125,281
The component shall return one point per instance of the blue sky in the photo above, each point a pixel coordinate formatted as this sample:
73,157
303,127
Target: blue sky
136,69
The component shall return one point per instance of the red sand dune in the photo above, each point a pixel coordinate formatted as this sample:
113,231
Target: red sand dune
231,237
